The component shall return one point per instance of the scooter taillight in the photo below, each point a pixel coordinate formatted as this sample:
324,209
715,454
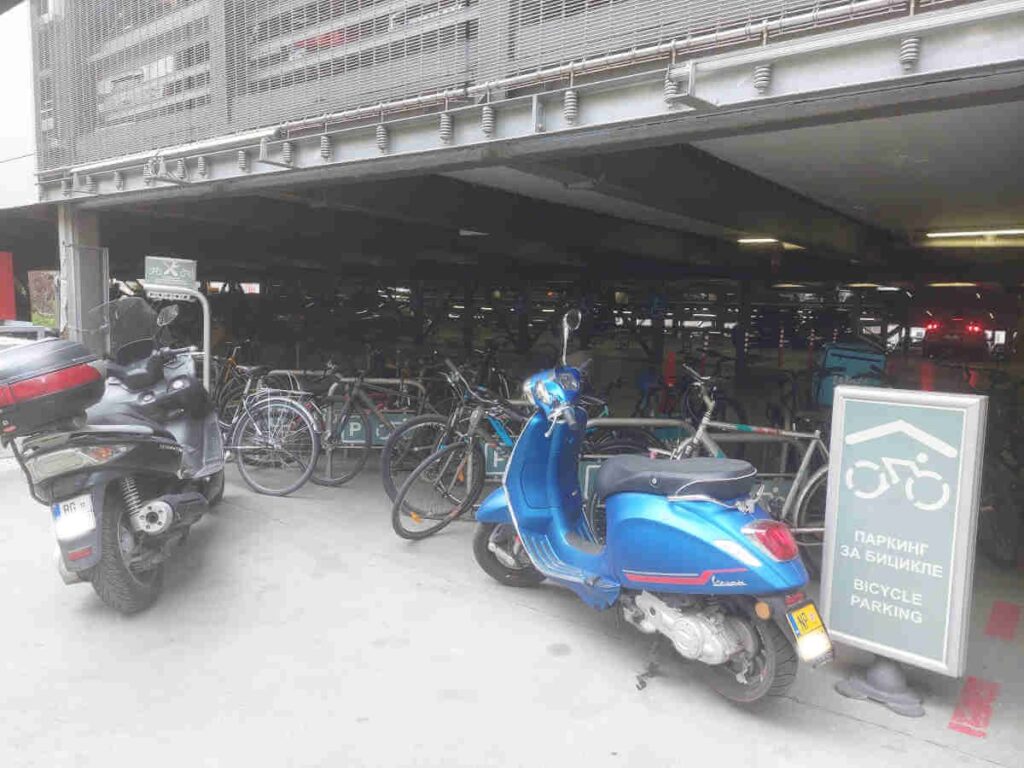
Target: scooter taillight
774,538
49,384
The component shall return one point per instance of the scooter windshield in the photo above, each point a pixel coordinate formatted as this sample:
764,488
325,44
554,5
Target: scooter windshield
117,326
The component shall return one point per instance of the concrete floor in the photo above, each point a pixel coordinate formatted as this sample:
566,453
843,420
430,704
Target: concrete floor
302,632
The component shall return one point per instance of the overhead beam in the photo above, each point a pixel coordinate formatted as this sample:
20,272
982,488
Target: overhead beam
688,181
460,206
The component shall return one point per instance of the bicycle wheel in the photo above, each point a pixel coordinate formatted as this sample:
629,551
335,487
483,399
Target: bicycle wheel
406,447
346,445
438,491
228,400
276,445
810,513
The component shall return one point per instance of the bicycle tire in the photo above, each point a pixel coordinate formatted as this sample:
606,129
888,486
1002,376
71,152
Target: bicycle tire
246,469
228,400
447,457
327,477
391,463
812,545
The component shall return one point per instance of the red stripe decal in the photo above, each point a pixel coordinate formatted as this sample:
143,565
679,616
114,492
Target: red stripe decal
1003,620
974,708
691,581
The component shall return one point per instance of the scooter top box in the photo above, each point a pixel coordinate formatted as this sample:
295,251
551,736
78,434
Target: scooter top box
45,382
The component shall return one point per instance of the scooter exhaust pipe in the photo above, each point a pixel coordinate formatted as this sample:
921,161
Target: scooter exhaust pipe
160,515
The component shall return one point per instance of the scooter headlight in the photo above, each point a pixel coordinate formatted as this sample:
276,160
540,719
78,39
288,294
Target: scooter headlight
568,381
542,394
528,394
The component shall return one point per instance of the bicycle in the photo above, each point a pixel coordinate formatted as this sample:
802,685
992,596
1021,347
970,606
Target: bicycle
350,417
421,436
798,498
444,485
274,438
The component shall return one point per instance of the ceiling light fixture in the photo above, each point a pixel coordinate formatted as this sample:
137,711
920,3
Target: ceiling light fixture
1015,232
787,285
952,285
472,233
756,240
862,285
889,288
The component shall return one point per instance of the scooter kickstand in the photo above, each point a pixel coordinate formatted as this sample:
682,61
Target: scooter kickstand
652,669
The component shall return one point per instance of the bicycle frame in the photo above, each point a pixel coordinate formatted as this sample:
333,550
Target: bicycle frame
814,446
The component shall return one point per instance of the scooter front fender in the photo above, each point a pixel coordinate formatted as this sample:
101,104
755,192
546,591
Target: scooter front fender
495,508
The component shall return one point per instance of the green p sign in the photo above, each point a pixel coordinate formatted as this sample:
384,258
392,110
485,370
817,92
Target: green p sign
904,484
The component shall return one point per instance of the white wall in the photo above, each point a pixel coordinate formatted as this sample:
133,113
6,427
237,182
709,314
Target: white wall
17,176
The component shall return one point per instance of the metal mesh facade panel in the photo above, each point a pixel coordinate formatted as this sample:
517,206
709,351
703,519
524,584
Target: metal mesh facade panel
121,76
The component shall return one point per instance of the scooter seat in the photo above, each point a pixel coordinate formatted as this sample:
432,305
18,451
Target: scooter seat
722,479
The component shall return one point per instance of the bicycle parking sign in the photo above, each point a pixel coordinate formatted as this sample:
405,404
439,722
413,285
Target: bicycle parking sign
901,518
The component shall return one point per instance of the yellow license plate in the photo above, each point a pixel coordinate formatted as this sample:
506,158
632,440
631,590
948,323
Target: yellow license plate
804,620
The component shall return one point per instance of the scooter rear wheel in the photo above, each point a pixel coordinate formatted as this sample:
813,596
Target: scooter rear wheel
523,575
774,667
113,579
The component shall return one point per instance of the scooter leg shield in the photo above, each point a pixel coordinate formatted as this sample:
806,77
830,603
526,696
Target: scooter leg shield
495,508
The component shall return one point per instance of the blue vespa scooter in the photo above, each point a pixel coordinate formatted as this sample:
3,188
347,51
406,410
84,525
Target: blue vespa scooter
689,552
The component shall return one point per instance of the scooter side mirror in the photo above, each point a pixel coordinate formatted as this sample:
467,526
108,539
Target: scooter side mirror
570,322
167,315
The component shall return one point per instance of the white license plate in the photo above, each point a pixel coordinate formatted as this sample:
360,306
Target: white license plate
73,518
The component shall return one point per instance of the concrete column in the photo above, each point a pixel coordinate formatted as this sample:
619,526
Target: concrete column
418,312
84,271
523,320
739,336
467,318
658,340
856,310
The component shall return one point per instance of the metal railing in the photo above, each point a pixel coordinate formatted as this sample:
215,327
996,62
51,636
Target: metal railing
114,77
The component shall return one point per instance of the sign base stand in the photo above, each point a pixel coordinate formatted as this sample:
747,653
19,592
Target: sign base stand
885,683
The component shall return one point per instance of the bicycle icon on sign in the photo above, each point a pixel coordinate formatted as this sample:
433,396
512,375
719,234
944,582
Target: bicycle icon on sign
926,488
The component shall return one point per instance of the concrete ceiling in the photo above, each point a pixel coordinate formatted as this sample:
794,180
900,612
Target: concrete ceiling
961,168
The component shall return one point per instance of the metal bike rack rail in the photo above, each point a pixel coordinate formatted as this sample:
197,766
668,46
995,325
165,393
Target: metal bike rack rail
415,384
611,422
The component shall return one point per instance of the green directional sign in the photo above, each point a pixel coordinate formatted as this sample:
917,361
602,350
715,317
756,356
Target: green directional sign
171,272
904,485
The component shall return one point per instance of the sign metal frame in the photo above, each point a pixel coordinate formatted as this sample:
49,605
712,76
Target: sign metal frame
961,571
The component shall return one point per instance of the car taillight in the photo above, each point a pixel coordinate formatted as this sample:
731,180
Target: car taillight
49,384
974,328
774,538
932,326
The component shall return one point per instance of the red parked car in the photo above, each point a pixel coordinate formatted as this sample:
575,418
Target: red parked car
955,337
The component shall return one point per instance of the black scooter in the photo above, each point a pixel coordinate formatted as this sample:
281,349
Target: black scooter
127,462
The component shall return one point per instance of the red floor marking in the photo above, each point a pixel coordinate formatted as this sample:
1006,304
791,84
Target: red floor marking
974,709
1003,620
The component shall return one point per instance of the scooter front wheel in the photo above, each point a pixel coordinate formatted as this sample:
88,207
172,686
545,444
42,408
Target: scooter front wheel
768,670
499,552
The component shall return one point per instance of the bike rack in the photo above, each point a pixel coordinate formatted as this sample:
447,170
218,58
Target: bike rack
611,422
297,374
